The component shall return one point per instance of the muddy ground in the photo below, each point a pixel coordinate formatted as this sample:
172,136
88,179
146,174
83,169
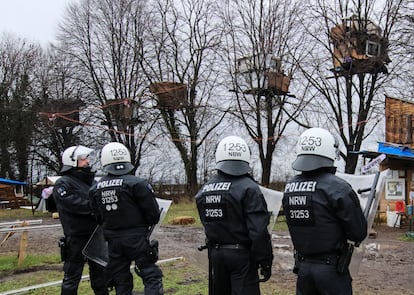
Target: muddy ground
387,265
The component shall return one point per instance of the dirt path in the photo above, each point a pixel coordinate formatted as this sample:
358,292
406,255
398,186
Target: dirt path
387,265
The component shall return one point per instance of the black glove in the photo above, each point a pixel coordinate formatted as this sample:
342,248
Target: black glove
265,271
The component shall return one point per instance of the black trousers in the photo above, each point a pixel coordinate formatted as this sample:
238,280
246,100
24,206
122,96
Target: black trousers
124,250
73,268
322,279
234,272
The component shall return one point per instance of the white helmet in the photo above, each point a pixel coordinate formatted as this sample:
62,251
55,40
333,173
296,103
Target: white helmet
71,156
233,156
316,148
116,159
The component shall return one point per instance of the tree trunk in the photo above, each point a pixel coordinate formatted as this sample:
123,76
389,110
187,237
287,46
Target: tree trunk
351,163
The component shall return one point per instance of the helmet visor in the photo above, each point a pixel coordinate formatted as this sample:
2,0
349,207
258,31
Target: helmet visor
311,162
80,152
120,168
234,167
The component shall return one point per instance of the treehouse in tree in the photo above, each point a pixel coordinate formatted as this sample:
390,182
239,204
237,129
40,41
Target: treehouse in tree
262,74
170,95
124,110
63,113
359,47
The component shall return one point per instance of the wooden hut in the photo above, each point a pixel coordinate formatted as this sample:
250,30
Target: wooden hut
359,47
124,110
262,74
12,194
399,151
63,113
170,95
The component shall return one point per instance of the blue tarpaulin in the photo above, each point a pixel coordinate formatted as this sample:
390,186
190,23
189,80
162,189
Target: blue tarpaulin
11,182
395,149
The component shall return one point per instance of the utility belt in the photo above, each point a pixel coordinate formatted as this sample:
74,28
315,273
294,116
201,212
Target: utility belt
331,259
229,246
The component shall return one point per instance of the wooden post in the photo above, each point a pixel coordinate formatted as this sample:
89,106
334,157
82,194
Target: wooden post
23,245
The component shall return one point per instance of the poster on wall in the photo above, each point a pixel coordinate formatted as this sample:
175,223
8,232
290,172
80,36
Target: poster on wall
395,189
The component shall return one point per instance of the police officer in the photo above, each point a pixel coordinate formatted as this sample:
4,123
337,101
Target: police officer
70,194
323,213
234,214
126,207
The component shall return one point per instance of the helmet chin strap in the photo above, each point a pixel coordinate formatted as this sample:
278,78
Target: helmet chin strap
72,156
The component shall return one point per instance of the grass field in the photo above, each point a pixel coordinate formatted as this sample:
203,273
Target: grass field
180,277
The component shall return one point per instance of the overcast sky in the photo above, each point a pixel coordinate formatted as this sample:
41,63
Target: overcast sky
35,20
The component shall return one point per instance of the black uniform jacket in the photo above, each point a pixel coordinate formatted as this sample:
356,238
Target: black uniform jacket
124,205
233,211
322,212
70,193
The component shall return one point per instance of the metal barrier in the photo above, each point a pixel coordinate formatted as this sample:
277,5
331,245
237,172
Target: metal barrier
24,227
19,222
29,228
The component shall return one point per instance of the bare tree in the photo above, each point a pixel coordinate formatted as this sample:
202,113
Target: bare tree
18,61
263,49
104,38
349,65
403,46
59,103
180,61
